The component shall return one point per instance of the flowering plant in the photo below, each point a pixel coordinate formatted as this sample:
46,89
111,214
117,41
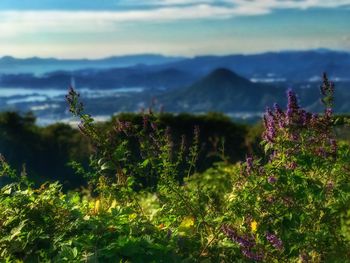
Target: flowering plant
290,207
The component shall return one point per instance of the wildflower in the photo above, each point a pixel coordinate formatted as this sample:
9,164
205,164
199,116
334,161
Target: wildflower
327,90
132,216
272,179
253,256
314,119
279,116
254,226
249,163
304,118
328,112
294,137
292,106
292,166
270,130
74,106
232,234
274,241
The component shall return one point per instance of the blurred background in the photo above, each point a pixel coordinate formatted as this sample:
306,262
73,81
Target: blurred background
232,57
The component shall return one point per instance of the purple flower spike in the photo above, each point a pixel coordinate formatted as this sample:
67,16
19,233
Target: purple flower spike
328,112
232,234
304,118
270,129
274,241
334,146
292,106
253,256
249,163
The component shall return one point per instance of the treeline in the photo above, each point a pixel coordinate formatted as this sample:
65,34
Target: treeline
42,152
45,152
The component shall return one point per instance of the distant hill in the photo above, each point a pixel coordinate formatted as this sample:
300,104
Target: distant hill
36,65
224,91
138,76
265,67
273,66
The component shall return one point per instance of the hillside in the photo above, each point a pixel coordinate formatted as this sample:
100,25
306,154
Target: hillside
222,90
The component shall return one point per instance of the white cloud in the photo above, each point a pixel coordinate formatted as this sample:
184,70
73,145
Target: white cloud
15,23
268,4
159,10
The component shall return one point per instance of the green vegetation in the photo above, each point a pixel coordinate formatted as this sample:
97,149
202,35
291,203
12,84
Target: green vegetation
57,145
149,201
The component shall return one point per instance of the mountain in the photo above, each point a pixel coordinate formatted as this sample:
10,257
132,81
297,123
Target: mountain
265,67
224,91
139,76
288,66
36,65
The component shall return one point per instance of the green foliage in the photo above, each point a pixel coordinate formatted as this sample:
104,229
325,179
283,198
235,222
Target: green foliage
147,202
44,151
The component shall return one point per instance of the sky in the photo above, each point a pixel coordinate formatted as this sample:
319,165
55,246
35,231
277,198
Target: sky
101,28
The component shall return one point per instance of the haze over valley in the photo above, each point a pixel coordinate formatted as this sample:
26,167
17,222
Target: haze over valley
238,85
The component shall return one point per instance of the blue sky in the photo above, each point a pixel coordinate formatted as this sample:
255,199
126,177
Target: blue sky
100,28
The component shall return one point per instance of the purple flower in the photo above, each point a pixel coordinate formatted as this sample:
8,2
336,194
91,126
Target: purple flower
304,118
279,115
232,234
294,137
292,106
321,152
292,166
274,241
333,144
270,129
253,256
249,163
272,179
328,112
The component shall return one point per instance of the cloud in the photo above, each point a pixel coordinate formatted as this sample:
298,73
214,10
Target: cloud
244,4
16,22
157,10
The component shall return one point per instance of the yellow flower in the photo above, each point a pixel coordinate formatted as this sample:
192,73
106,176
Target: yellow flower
97,206
186,225
187,222
132,216
254,226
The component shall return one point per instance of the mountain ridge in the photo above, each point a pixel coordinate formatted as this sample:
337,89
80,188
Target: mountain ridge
222,90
